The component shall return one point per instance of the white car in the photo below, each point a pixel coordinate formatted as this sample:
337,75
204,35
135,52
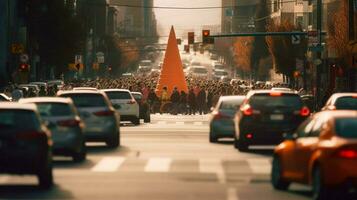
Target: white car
217,66
59,83
102,121
197,71
219,73
85,88
4,97
124,102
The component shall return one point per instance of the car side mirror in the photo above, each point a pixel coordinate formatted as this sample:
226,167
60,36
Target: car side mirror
290,136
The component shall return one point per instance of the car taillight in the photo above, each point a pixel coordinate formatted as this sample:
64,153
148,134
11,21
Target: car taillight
305,111
69,123
354,96
247,110
249,136
275,94
30,135
347,153
219,115
131,102
104,113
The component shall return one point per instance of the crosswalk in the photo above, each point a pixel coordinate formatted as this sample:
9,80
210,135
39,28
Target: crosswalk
112,164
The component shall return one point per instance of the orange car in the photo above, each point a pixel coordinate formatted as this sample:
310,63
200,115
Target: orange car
322,153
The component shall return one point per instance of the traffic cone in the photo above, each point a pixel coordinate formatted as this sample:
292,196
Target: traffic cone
172,74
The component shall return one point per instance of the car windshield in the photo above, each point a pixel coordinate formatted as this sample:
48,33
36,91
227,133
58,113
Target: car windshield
346,127
283,101
18,120
346,103
54,109
231,104
199,70
221,73
118,95
219,66
87,100
137,96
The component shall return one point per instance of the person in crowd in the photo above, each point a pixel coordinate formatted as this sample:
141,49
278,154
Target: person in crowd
175,100
17,94
183,103
191,102
164,98
201,101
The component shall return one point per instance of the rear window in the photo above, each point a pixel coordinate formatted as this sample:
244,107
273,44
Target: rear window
346,127
54,109
346,103
223,73
231,105
18,120
199,70
283,101
118,95
87,100
137,96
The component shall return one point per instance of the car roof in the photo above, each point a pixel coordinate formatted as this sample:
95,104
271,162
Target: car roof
85,88
116,90
18,106
79,92
46,100
337,113
252,92
346,94
233,97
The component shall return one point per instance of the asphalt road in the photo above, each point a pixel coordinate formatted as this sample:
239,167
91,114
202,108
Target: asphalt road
168,159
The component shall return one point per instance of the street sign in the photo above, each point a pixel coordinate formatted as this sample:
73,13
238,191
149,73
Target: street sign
295,39
24,58
17,48
78,59
313,38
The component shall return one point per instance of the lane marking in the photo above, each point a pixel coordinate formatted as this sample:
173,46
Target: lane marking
109,164
180,123
158,165
260,166
232,194
198,123
3,179
213,166
161,122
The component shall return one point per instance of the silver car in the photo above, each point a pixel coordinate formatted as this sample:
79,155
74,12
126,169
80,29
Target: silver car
125,104
102,121
221,118
65,124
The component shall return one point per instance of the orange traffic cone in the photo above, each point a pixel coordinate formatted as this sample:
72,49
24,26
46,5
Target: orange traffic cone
172,74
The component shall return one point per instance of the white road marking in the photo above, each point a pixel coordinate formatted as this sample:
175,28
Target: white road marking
180,123
158,165
198,123
213,166
4,179
232,194
109,164
260,166
161,122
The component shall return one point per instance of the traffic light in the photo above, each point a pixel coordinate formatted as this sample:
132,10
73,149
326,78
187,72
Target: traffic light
24,67
191,37
206,39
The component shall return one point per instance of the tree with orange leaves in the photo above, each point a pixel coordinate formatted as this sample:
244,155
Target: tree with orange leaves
243,49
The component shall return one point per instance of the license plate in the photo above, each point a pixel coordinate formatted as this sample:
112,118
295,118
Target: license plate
277,117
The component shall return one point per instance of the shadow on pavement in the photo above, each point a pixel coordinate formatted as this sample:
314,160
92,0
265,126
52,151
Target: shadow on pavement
30,192
104,149
263,152
62,164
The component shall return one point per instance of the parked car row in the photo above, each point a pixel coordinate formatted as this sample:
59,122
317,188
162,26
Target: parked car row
318,149
34,129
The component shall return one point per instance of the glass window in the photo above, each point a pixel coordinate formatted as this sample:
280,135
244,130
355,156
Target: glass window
54,109
87,100
18,120
346,103
231,105
346,127
284,101
137,96
305,128
118,95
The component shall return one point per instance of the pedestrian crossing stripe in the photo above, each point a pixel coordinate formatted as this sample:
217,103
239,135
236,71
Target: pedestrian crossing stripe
261,166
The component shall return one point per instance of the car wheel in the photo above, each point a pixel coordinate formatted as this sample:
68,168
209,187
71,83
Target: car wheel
114,142
276,179
45,176
242,146
147,118
319,190
136,121
212,138
80,156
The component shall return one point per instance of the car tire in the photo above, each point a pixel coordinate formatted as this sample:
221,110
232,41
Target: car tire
45,175
80,156
241,146
212,138
136,121
277,180
319,190
114,142
147,118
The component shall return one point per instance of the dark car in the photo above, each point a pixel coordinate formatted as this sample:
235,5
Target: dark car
25,143
266,115
341,101
144,108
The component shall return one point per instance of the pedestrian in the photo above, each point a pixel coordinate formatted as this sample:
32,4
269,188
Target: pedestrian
175,100
183,103
17,94
192,102
164,99
201,101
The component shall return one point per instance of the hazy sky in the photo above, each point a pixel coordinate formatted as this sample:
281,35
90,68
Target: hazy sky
186,19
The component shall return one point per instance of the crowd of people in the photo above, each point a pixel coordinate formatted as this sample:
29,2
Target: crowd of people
201,96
